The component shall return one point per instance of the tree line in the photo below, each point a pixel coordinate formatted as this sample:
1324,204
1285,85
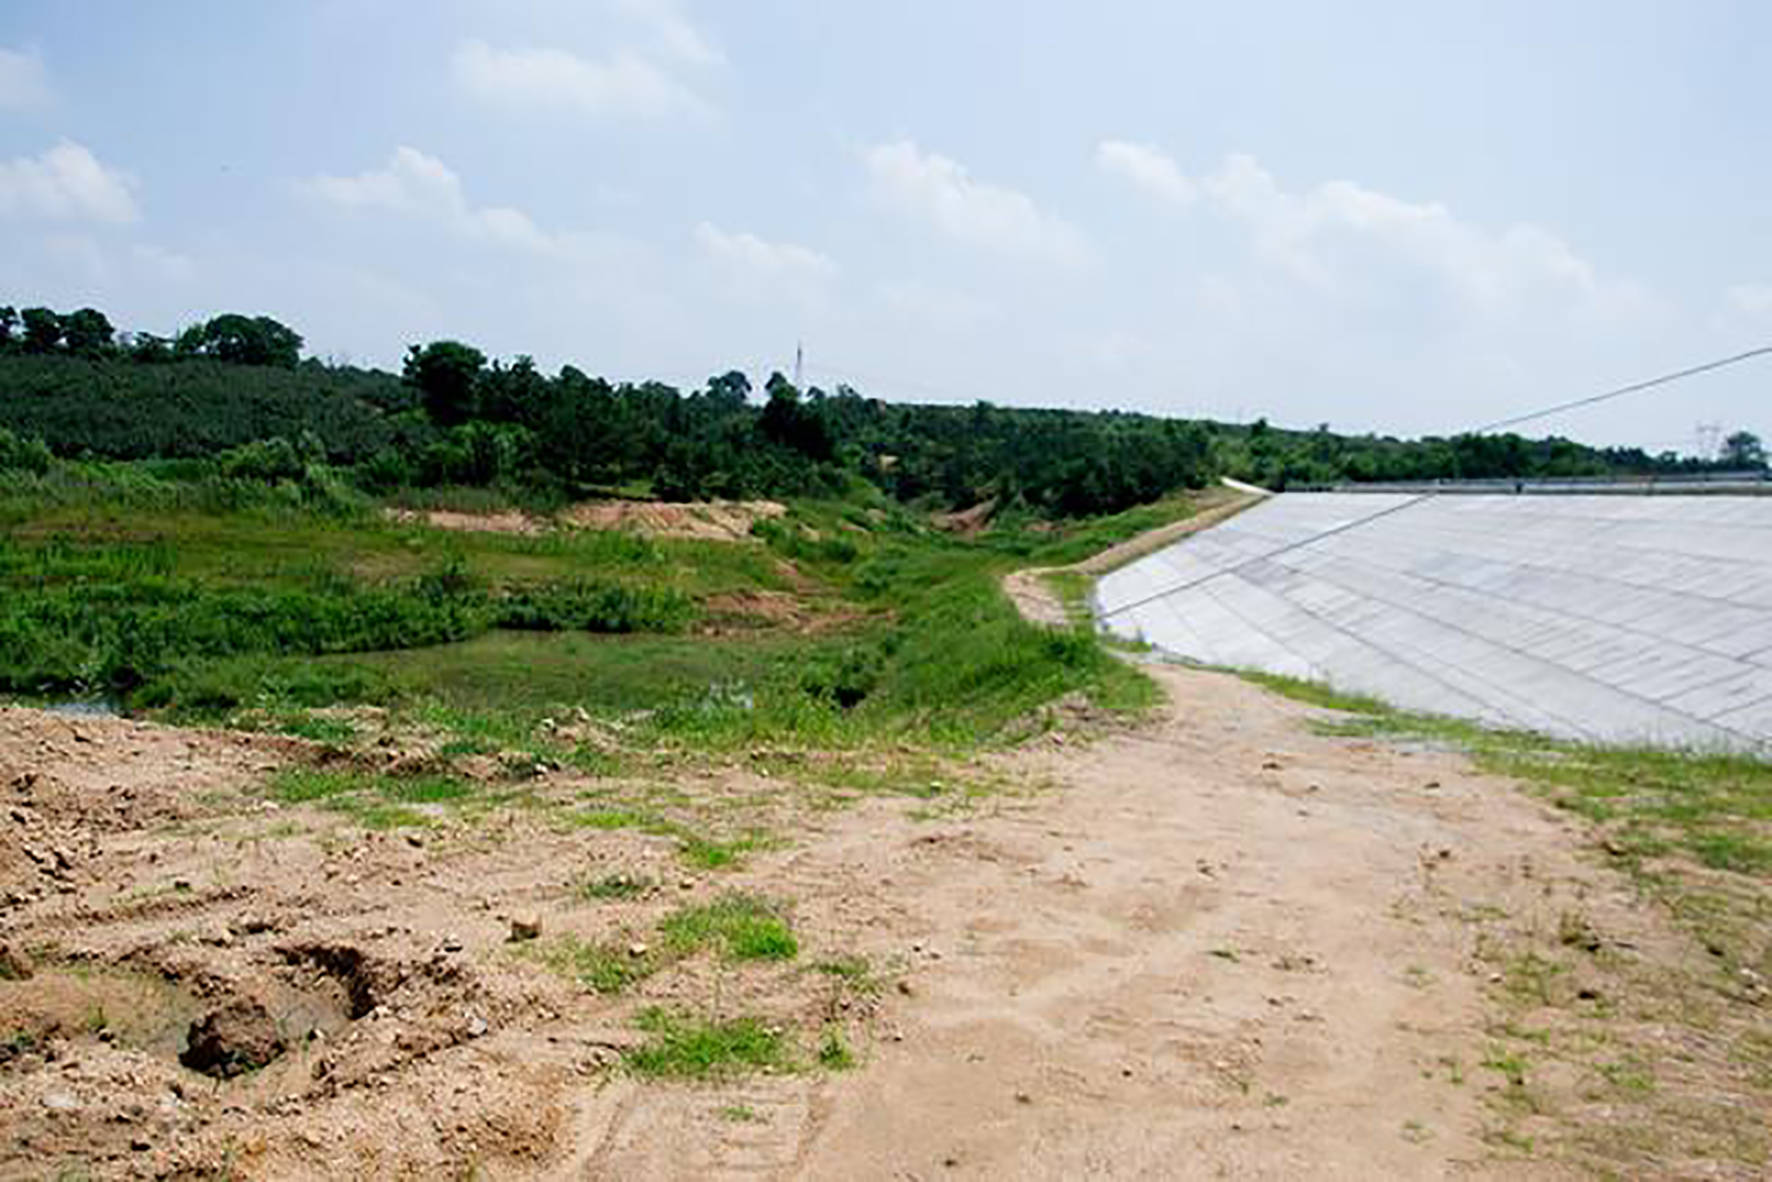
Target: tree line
234,391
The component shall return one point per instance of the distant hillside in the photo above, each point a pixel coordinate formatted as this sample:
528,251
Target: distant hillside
233,389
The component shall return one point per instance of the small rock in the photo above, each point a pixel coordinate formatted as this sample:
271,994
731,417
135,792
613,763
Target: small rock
637,948
452,944
1270,765
477,1026
416,841
60,1102
525,927
140,1145
1023,1098
14,964
1431,785
688,884
906,988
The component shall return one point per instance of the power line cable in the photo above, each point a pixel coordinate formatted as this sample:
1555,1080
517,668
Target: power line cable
1621,391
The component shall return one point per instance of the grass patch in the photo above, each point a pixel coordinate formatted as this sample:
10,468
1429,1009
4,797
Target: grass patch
743,927
685,1046
320,730
855,970
833,1052
373,801
602,967
708,853
1072,589
613,886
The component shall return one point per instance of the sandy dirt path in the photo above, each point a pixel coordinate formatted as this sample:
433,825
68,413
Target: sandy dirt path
1035,599
1222,946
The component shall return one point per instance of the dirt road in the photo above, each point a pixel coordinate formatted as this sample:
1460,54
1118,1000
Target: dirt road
1220,945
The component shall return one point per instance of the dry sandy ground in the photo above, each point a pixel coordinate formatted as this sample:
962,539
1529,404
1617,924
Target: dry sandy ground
1220,945
718,521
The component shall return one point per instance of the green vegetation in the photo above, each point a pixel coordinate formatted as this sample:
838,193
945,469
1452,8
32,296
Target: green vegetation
833,1052
232,396
684,1046
372,801
602,967
202,609
614,886
741,927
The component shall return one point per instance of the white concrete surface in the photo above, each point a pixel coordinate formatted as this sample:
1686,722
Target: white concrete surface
1612,618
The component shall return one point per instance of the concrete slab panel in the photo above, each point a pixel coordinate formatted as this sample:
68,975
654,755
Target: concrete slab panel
1613,617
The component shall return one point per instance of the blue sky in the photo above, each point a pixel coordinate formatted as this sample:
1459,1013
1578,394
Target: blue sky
1390,216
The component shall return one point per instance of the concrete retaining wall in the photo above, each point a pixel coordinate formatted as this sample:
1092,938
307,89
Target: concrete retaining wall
1620,619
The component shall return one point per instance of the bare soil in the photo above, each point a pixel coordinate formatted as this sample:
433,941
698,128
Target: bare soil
1217,945
719,521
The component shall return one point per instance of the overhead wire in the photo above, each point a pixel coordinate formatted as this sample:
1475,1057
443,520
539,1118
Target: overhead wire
1621,391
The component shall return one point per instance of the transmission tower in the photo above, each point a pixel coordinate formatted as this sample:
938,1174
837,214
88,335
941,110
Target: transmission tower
1708,437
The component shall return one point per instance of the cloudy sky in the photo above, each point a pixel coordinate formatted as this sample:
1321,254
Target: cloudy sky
1400,216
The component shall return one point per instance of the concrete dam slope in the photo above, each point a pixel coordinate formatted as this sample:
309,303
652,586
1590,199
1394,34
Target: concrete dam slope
1621,619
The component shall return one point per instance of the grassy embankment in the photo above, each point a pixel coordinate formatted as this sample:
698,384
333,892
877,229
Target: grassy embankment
212,600
1628,1059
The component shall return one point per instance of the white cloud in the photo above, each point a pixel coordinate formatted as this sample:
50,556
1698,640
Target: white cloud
1336,236
423,187
756,268
1148,168
161,264
675,32
757,254
66,183
626,84
943,193
23,80
1751,299
938,308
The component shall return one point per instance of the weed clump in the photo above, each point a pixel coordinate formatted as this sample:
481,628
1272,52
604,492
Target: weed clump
742,927
685,1046
602,967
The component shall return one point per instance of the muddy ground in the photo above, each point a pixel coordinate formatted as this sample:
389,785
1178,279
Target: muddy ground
1216,945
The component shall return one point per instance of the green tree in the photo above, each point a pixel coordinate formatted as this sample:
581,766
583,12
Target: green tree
446,374
88,333
43,330
1743,450
242,340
